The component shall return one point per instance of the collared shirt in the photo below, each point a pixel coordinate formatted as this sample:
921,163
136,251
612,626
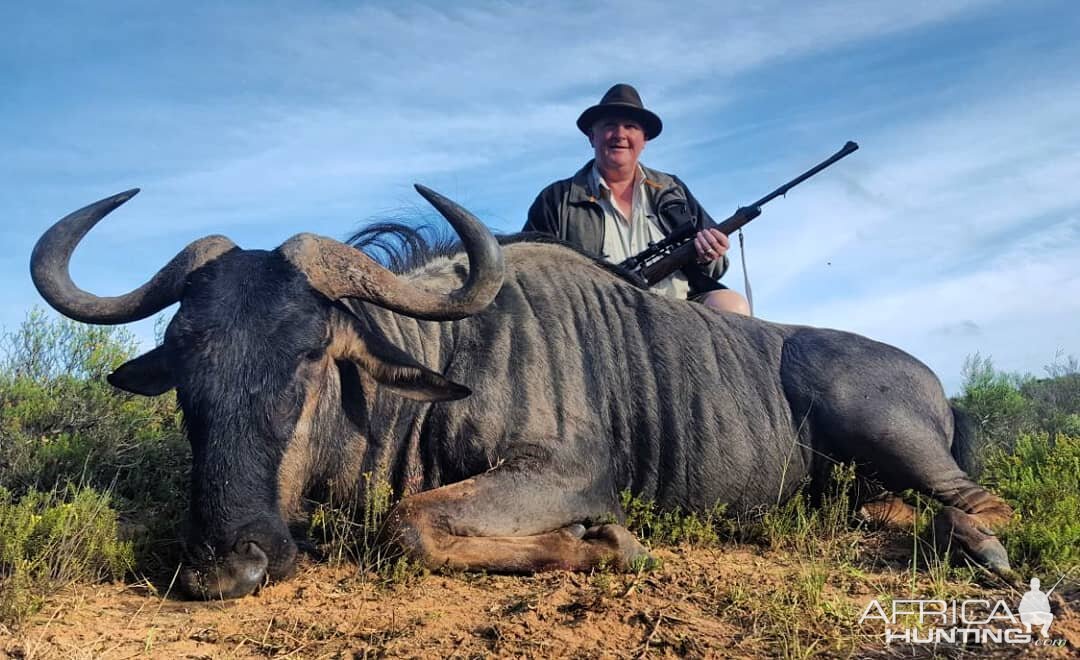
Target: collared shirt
626,236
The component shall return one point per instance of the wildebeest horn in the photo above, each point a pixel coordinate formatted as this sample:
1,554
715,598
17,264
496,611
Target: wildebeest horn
341,271
49,267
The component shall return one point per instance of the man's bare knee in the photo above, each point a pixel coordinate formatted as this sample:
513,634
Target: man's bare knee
726,300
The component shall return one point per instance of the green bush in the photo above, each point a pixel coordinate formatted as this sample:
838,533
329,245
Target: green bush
63,424
1055,400
1033,458
45,349
1004,406
1040,477
994,401
51,539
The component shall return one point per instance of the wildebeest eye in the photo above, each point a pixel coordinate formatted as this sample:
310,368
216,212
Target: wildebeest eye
315,354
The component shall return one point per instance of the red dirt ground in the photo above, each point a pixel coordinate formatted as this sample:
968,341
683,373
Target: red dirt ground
728,602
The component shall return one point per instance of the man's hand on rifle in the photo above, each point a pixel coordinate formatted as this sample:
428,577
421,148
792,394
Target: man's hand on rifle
711,245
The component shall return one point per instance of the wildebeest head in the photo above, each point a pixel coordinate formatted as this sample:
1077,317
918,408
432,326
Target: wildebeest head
244,352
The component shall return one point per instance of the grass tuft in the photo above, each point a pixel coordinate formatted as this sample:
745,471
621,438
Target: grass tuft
346,530
828,529
652,525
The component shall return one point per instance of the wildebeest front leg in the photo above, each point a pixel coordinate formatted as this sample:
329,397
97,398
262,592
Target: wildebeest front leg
513,520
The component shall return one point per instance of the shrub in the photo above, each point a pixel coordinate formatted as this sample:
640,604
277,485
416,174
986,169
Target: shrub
51,539
45,349
995,402
1041,479
63,424
1055,400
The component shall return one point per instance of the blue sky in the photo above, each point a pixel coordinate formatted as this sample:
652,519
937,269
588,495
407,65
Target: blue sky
954,229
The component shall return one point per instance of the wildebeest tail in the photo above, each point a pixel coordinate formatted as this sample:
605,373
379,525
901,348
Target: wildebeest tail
966,448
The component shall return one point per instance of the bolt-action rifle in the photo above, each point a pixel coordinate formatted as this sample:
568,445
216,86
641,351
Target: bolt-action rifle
677,250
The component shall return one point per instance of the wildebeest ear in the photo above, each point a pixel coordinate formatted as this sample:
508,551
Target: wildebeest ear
397,370
147,374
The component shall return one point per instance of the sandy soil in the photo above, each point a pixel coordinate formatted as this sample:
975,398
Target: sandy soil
737,601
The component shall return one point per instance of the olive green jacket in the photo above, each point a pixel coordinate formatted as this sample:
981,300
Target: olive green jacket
568,210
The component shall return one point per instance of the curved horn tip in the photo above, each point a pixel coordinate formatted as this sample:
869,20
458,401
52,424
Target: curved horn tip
427,193
105,206
120,198
111,203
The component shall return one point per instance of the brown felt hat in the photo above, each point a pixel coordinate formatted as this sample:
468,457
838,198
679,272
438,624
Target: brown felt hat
622,100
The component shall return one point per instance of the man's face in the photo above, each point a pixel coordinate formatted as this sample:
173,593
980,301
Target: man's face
617,142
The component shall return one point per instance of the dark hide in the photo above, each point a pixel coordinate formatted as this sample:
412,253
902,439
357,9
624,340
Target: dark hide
582,385
242,376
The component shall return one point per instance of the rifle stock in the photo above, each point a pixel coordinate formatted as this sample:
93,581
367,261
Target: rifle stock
687,253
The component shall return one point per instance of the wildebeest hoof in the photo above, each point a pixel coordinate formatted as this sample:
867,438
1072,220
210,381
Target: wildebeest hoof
622,546
954,529
577,530
992,554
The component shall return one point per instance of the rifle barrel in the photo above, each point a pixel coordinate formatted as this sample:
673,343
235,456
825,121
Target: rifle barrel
849,148
684,252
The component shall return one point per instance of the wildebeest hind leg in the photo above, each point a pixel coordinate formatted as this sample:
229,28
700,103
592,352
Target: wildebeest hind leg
971,513
968,520
512,520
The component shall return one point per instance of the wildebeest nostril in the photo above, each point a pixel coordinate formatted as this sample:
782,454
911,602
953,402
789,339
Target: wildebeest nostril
243,570
250,563
250,550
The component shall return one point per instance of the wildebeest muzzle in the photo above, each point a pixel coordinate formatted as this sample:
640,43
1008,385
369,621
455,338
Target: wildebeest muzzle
260,551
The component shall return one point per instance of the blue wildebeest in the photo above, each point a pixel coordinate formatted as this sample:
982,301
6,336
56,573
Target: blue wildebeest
509,392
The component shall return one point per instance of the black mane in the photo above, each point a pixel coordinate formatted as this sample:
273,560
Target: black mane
402,247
